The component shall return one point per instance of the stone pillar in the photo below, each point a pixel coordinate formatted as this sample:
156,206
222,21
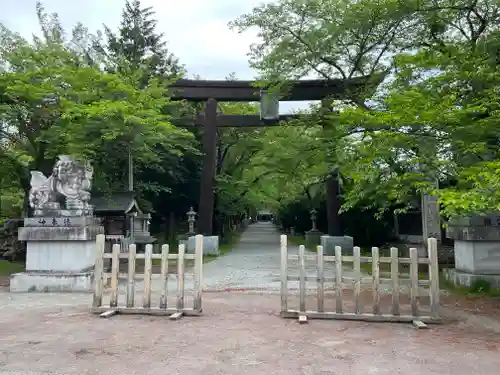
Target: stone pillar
191,214
431,217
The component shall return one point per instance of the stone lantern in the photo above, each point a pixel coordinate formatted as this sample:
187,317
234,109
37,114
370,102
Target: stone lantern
314,216
313,236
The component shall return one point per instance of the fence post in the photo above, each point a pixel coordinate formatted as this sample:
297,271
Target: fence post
148,264
131,275
433,276
164,276
321,280
115,268
357,277
414,281
302,279
284,274
339,308
180,278
98,270
395,280
198,273
376,280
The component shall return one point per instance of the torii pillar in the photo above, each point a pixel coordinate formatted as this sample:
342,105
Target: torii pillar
207,178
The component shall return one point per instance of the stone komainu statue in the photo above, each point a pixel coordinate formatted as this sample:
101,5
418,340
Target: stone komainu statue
70,180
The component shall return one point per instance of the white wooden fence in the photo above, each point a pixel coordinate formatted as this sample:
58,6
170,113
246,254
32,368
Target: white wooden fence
129,306
358,283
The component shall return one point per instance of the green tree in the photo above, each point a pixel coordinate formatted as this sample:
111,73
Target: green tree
53,101
416,130
139,46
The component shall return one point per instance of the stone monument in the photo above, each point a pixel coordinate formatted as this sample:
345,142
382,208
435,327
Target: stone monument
313,236
60,237
477,249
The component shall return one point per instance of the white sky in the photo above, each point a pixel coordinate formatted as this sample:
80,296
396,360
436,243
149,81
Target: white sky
196,30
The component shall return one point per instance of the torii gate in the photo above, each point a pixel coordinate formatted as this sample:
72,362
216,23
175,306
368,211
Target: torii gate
211,92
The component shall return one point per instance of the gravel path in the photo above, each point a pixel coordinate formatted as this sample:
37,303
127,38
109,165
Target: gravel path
239,333
54,333
254,263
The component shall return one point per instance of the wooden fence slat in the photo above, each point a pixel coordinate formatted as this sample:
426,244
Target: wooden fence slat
414,281
115,266
284,273
198,272
131,275
395,281
357,278
148,264
321,280
164,276
302,280
433,276
376,280
180,278
338,280
170,256
98,270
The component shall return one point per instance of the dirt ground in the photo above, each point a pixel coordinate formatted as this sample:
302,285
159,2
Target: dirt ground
238,333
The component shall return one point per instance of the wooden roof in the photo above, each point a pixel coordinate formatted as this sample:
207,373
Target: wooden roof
122,202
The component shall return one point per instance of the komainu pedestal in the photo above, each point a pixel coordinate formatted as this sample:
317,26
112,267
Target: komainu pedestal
60,241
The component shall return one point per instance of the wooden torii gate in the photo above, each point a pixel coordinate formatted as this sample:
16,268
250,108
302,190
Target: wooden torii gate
212,92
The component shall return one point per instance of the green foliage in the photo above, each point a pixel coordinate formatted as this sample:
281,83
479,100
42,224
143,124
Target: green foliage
138,47
55,100
433,124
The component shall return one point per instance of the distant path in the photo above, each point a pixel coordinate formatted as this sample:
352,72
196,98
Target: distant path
254,262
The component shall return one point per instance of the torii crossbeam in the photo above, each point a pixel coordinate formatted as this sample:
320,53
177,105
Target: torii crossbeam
249,91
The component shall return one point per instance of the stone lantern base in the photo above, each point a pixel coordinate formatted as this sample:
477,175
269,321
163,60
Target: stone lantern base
329,243
313,237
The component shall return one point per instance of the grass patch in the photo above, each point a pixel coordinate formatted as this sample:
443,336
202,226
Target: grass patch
480,288
225,246
8,268
300,240
385,268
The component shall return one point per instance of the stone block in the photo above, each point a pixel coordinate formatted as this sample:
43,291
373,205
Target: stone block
63,256
467,279
329,243
87,233
210,245
478,257
473,233
313,237
64,282
77,221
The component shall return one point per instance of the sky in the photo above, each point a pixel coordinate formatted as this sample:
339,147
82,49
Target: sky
196,30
